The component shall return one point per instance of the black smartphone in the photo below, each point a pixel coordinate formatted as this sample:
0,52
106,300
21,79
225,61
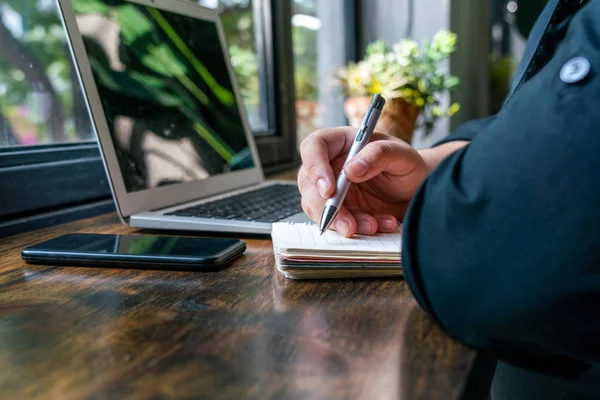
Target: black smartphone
136,251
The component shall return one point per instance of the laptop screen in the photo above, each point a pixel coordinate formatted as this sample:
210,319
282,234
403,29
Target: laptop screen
166,92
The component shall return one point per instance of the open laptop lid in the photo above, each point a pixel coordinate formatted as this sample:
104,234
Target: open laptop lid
163,99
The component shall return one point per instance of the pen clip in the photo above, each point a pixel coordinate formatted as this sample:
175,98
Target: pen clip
376,105
367,119
373,112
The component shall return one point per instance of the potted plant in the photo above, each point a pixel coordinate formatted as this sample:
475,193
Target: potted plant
410,78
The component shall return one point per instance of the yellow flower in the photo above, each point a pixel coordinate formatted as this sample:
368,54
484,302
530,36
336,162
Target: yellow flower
454,108
376,87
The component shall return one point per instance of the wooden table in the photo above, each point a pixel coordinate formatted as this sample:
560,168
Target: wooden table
242,333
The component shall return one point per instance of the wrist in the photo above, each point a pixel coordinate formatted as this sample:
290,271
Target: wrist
435,155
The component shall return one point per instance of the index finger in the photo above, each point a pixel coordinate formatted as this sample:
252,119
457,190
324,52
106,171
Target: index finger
319,149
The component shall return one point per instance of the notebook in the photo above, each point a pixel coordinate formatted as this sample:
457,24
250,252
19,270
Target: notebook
301,253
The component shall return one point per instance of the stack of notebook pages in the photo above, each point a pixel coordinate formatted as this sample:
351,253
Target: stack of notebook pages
302,253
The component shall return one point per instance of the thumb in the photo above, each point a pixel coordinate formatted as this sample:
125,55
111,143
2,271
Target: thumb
396,158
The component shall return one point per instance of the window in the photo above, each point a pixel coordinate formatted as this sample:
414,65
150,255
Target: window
238,19
511,22
46,140
492,36
40,97
317,27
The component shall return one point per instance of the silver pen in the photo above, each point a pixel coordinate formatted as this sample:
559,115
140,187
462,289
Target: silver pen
363,136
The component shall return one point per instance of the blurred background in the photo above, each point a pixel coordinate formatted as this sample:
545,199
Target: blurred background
41,101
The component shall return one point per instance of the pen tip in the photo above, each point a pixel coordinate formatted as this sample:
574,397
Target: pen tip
321,233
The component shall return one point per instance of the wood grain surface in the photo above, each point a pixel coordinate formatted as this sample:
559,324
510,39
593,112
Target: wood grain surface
241,333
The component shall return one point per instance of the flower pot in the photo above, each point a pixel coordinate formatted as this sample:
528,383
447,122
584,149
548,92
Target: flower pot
398,117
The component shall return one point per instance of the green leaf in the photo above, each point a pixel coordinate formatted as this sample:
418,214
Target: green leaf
451,82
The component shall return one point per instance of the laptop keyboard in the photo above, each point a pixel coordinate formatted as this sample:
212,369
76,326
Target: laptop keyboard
269,204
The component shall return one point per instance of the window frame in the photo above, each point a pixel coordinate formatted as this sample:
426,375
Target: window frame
277,149
67,175
474,34
70,176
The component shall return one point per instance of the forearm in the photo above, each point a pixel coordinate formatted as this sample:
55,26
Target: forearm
435,155
455,141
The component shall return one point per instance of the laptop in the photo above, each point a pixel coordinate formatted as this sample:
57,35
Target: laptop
169,119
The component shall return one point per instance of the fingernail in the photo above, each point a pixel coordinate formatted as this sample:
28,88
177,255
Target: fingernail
386,223
323,186
357,168
364,227
342,226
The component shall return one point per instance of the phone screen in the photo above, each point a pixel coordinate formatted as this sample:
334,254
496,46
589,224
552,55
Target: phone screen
133,248
138,245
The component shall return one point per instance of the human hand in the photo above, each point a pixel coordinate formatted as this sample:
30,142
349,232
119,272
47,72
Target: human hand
385,176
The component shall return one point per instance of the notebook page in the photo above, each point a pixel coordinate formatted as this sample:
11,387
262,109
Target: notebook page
306,238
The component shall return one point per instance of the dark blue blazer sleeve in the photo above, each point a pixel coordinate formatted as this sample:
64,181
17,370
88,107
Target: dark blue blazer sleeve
502,242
